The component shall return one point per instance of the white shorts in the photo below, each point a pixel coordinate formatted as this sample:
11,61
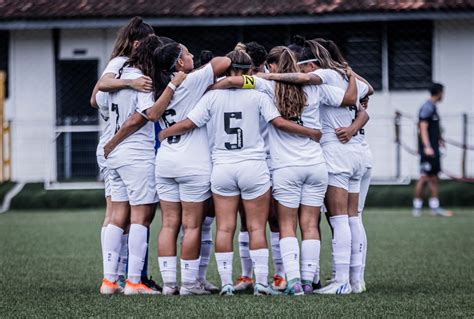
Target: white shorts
102,162
364,187
297,185
249,179
344,163
134,183
195,188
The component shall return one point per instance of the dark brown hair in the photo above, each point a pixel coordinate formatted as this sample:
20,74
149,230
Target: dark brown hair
135,30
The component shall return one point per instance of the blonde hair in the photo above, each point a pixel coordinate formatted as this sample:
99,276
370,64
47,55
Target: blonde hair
324,57
289,98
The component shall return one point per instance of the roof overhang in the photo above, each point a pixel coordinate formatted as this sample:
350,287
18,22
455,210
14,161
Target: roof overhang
88,23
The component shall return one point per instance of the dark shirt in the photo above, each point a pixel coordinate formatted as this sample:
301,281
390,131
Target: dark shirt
429,113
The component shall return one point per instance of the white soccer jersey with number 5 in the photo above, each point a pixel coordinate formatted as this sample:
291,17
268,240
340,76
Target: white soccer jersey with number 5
233,117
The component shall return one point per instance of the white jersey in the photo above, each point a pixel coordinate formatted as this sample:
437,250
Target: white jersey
102,99
233,117
187,154
294,150
124,103
335,117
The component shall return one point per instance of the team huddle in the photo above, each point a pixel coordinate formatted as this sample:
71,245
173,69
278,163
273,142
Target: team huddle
275,138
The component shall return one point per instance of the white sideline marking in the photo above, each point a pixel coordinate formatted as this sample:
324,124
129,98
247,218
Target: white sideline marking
10,195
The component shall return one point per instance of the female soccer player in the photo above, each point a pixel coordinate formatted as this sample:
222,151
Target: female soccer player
131,166
359,237
240,168
128,38
300,177
183,166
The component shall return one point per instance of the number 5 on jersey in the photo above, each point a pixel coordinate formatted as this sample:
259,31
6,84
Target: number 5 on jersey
233,130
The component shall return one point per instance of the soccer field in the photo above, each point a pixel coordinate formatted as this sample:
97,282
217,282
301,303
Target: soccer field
50,266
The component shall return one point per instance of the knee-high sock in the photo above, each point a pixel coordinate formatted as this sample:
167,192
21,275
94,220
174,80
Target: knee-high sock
102,236
357,249
137,248
206,246
364,252
290,253
310,250
145,264
168,270
245,259
224,266
123,260
112,240
276,254
260,265
341,246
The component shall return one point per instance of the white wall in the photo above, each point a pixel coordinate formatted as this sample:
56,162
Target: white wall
453,65
31,104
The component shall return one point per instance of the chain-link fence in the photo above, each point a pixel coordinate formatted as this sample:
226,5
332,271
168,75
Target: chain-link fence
399,58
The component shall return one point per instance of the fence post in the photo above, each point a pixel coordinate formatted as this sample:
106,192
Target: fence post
464,144
398,155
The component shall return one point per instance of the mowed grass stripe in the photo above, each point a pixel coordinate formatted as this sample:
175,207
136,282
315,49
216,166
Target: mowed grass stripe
50,266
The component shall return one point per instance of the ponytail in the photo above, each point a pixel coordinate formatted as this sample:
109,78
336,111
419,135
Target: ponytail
164,65
135,30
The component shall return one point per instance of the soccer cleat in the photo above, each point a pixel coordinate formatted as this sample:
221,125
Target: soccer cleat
295,288
170,291
335,288
121,281
138,289
279,283
358,287
195,289
208,286
227,290
150,283
261,290
243,283
109,288
316,285
441,212
416,212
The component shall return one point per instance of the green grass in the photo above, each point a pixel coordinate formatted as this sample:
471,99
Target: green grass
50,266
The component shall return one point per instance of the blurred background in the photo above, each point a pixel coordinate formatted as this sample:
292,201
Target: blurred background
52,53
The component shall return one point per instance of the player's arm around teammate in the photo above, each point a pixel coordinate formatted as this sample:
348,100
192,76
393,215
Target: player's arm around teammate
183,166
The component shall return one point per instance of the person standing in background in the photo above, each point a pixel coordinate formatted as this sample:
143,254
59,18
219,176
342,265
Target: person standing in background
429,142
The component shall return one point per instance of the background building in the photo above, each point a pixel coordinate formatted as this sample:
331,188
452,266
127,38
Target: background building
54,51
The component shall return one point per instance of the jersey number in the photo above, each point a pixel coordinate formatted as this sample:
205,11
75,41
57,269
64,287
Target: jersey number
354,108
233,130
115,109
169,122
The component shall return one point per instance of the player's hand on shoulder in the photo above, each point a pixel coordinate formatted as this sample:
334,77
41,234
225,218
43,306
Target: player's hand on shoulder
143,84
344,134
178,78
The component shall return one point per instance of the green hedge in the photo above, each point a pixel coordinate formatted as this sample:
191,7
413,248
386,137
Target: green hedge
34,196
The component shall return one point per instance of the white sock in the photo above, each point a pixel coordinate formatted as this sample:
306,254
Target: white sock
137,245
290,253
341,246
168,270
417,203
364,252
123,259
260,265
245,259
276,254
310,250
433,202
206,246
102,236
224,266
112,238
357,249
189,271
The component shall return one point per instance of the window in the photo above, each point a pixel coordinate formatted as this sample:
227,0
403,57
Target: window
4,44
409,55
